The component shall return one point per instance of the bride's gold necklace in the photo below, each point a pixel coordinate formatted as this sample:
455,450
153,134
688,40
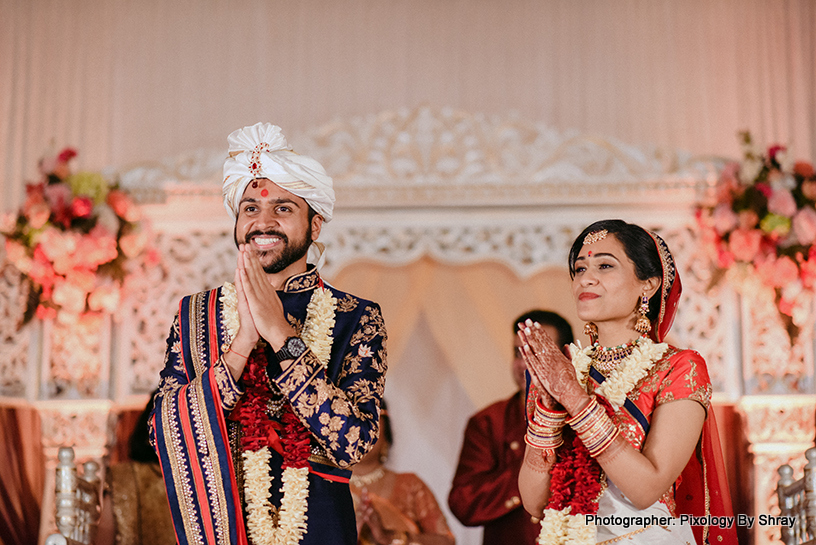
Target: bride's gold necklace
606,359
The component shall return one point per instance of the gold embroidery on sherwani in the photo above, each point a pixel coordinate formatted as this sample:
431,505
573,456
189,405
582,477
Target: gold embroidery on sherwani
303,374
206,446
226,385
196,320
352,364
371,325
296,324
347,303
302,282
200,418
181,475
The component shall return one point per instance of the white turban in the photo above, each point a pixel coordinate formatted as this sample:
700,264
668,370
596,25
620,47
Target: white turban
261,151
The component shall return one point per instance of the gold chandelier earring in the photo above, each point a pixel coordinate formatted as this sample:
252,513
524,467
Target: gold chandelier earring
643,325
591,331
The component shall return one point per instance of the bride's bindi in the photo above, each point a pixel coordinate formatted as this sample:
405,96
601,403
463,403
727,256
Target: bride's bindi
264,192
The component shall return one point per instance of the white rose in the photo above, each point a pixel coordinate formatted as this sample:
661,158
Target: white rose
749,170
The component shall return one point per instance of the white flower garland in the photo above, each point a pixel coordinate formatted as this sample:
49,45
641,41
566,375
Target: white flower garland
559,527
260,521
626,375
317,334
319,324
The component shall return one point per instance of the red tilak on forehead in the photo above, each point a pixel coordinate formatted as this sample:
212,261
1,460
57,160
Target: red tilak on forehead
264,192
589,253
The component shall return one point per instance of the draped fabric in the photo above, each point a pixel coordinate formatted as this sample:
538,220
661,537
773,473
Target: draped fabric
140,80
21,475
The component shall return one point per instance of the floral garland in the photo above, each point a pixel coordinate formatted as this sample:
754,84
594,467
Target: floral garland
319,324
260,431
576,479
626,375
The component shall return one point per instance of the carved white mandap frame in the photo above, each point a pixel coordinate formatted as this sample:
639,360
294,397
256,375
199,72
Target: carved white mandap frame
456,187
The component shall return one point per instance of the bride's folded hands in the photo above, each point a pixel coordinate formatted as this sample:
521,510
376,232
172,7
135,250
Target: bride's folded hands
551,371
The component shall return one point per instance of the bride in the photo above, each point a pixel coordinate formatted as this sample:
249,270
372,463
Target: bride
621,442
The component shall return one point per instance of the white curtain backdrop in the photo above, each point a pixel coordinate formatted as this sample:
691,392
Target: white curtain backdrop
138,80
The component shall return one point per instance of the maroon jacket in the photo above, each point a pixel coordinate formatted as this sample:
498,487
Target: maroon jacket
485,488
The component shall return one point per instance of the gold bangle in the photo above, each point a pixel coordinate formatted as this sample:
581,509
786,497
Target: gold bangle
594,428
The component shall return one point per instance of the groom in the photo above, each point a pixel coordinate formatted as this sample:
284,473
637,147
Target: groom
272,384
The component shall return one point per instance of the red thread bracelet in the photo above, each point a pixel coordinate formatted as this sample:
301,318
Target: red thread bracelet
236,353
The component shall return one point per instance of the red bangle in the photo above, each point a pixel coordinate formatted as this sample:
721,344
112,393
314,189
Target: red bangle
236,353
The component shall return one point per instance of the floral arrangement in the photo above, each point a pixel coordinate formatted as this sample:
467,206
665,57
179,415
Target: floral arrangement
74,239
763,226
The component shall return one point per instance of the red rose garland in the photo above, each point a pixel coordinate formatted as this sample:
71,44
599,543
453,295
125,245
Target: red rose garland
575,480
261,431
261,435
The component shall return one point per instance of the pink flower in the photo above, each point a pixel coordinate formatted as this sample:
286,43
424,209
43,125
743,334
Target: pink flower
809,190
744,244
104,298
81,207
34,193
58,165
728,184
773,150
57,245
765,271
8,222
765,189
782,203
42,272
46,313
786,306
97,248
17,254
724,258
724,219
69,297
804,226
785,271
803,169
123,206
66,155
59,198
133,243
748,219
38,215
81,278
807,272
57,195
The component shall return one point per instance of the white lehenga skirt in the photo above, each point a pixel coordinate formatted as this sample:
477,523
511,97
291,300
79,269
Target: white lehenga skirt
626,522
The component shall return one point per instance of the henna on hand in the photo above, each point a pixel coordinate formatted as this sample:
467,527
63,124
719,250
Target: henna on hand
538,460
551,368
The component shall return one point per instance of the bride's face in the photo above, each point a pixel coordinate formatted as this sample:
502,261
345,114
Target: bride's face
606,287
